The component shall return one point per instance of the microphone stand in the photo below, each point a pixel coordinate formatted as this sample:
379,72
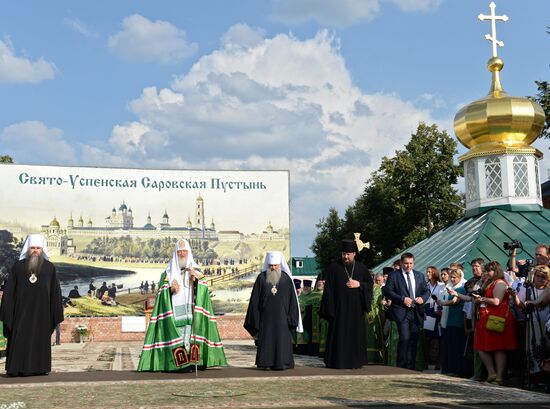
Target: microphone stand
529,325
194,348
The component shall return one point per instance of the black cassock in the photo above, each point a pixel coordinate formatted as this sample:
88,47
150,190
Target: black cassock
272,318
30,312
344,308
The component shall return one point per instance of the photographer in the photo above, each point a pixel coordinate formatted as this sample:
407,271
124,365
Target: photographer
529,300
521,267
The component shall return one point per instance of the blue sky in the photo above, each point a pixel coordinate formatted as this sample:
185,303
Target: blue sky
323,88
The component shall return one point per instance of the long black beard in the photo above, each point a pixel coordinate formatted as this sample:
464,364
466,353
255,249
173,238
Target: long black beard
33,264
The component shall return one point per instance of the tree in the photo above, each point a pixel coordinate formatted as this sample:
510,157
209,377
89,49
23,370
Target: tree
543,99
379,219
326,245
407,199
424,175
6,159
9,252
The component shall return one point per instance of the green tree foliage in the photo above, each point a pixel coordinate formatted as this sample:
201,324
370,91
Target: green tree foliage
9,252
543,99
6,159
127,246
326,245
407,199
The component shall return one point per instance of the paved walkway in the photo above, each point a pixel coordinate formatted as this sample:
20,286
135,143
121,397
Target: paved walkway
124,356
102,374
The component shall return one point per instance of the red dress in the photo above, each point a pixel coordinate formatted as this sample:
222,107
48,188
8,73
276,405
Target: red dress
486,340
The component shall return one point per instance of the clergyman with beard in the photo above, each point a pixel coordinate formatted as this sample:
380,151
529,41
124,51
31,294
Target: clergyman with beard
273,314
31,309
182,320
346,298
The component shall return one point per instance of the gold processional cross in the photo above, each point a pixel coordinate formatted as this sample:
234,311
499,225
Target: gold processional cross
493,36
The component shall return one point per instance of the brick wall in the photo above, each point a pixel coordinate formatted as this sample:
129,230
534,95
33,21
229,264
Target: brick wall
110,329
231,327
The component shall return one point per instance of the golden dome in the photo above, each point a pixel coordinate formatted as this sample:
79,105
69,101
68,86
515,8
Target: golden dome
499,123
54,222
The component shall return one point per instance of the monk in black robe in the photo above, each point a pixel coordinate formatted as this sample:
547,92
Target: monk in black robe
31,309
273,314
346,298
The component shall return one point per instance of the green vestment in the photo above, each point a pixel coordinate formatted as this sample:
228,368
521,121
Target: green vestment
375,328
165,337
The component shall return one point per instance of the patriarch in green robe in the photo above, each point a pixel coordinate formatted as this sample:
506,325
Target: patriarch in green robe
182,331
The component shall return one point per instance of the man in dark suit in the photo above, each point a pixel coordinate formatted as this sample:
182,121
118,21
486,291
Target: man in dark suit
408,291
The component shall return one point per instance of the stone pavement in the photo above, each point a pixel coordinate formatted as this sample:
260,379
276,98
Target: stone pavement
124,356
102,374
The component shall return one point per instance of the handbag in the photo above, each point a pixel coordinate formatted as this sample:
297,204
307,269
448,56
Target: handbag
495,323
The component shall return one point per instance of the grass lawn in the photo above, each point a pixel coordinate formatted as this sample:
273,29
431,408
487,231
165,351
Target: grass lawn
128,304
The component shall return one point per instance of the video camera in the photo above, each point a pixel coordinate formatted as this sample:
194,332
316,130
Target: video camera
514,244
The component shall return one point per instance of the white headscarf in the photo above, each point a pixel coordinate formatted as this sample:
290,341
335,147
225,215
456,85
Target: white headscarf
175,273
276,257
34,240
460,283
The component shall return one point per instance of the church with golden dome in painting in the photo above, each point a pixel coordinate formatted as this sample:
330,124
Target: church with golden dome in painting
502,178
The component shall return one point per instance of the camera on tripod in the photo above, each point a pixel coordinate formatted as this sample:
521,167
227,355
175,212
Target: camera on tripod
514,244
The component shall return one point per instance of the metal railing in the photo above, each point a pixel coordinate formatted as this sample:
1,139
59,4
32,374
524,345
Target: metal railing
232,275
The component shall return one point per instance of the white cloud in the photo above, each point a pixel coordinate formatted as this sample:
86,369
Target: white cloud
14,69
342,13
78,26
151,41
32,142
270,103
241,35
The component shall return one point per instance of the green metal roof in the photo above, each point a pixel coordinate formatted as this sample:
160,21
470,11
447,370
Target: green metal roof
308,267
482,236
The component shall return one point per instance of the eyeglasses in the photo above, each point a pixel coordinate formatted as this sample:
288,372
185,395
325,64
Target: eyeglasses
540,255
541,276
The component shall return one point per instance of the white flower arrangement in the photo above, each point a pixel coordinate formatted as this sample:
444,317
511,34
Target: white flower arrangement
81,329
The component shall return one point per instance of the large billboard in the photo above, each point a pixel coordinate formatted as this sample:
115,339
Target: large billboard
103,219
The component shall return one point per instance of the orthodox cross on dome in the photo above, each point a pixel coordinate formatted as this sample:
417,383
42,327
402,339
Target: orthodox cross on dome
493,36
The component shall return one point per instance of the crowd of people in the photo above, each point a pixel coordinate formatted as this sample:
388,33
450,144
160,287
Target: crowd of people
493,327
